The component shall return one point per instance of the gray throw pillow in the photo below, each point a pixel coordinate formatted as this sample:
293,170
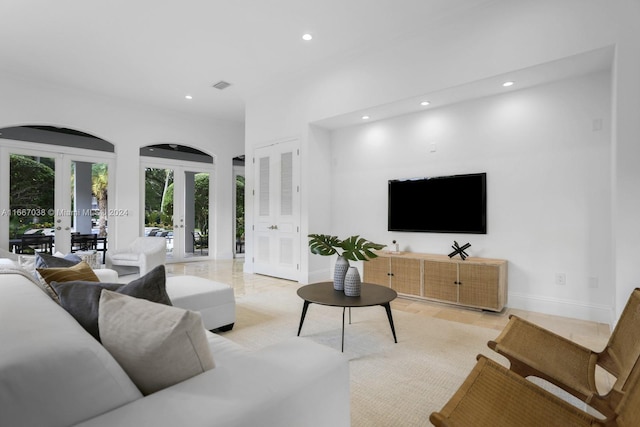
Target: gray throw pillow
50,261
81,298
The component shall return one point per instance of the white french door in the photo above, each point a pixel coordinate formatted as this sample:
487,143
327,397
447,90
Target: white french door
277,210
177,206
50,192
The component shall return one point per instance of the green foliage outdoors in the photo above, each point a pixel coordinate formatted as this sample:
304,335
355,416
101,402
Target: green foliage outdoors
239,207
99,186
32,181
31,186
159,192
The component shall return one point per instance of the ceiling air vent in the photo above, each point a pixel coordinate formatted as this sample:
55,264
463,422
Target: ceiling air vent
222,85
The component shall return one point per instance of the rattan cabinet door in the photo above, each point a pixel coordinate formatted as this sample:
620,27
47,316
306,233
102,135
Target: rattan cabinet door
479,285
405,276
377,271
440,280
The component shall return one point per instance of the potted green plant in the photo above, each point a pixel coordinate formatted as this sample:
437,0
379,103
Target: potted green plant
354,248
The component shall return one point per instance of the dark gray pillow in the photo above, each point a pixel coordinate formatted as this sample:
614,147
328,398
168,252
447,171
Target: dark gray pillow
81,299
50,261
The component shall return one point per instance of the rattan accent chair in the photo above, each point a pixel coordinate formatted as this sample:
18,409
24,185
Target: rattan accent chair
494,396
535,351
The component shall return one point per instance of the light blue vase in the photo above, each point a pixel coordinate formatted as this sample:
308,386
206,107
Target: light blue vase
342,265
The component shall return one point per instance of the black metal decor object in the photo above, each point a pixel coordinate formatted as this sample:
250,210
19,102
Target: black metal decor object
458,250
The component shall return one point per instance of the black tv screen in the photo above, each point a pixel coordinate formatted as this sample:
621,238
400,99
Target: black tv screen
444,204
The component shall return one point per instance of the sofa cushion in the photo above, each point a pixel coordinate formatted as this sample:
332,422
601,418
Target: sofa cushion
57,260
82,298
156,345
79,271
52,372
9,255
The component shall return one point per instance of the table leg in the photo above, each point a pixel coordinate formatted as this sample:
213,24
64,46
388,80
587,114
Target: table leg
343,310
304,313
387,307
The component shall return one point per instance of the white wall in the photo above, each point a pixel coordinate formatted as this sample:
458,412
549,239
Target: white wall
626,134
501,37
548,186
129,126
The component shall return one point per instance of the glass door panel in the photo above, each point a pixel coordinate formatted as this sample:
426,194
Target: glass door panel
239,229
31,203
196,214
88,198
159,205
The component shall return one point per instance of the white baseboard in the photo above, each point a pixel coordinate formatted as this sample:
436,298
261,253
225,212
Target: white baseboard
559,307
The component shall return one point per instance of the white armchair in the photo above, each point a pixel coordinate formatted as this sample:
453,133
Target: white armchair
144,253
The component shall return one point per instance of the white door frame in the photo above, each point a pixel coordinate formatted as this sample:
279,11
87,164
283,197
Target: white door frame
63,156
179,167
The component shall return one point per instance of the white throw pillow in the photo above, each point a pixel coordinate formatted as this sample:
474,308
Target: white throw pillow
157,345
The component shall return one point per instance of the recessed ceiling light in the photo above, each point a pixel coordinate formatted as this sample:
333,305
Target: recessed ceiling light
365,117
188,97
424,103
307,37
507,84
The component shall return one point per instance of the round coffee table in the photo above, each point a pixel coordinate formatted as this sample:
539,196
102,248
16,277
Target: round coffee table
324,294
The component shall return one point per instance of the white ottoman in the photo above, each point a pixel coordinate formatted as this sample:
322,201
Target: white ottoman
215,301
106,275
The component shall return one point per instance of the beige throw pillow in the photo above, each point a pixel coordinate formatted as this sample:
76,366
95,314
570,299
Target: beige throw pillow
79,271
156,345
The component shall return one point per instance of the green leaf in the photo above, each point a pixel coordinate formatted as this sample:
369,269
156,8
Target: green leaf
323,244
357,248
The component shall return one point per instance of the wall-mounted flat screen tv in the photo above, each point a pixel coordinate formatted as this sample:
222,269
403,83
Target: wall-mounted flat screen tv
443,204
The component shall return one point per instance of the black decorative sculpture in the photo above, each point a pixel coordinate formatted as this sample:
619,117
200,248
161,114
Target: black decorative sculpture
457,250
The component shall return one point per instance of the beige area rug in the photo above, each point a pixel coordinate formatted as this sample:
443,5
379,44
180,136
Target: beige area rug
391,384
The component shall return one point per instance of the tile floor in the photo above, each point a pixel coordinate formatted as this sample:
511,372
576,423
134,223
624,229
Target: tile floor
590,334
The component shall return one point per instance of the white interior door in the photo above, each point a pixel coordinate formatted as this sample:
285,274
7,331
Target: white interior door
277,210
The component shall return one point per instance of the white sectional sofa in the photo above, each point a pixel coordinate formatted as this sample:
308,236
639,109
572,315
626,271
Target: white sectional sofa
54,373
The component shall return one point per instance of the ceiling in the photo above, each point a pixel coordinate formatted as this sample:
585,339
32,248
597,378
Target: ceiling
587,62
157,52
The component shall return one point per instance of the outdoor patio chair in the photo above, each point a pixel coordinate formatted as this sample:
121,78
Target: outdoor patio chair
535,351
494,396
84,242
200,241
32,243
